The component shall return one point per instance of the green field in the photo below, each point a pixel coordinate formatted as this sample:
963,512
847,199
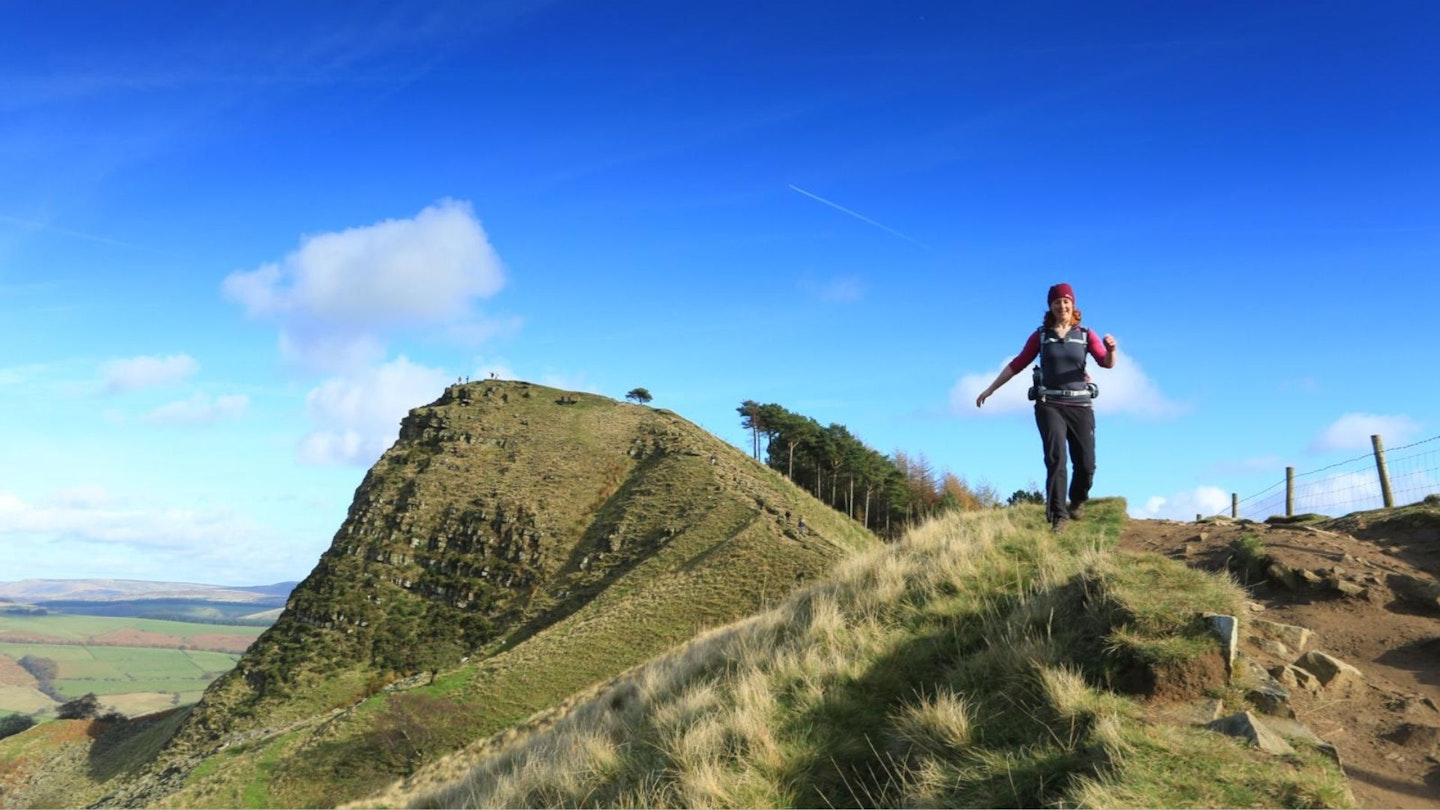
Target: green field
133,680
79,628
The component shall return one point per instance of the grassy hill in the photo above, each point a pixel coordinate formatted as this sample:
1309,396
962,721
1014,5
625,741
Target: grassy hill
516,545
542,598
982,662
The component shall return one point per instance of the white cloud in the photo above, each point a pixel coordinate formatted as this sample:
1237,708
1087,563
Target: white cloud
1353,431
1009,399
358,415
200,409
338,293
91,532
94,515
121,375
1127,389
1202,500
1123,389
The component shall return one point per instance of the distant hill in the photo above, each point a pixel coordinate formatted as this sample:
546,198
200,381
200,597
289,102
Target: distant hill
128,598
516,545
39,591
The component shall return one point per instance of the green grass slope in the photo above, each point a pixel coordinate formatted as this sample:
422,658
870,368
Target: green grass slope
517,544
982,662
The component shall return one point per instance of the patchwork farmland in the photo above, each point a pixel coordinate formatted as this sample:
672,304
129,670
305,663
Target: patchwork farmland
135,666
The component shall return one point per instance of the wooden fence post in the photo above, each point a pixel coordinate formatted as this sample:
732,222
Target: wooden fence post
1289,492
1384,472
1234,504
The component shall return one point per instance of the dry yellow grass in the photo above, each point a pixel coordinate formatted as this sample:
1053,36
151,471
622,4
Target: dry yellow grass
941,670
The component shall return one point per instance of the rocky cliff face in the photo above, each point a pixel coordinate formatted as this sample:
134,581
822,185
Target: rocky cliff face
503,510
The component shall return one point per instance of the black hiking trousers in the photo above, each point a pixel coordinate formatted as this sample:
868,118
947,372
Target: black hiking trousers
1063,426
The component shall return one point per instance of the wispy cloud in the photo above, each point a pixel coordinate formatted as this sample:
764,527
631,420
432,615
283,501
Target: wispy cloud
16,375
94,532
859,216
200,409
1246,466
842,290
1353,431
95,515
146,371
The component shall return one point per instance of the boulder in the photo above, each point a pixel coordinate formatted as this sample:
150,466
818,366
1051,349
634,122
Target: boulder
1283,575
1345,586
1295,730
1417,591
1227,629
1271,646
1247,726
1293,677
1270,698
1332,673
1292,636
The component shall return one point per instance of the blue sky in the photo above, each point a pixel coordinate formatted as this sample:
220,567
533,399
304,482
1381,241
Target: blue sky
239,241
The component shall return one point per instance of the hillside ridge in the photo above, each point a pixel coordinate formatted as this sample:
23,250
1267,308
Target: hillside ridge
516,544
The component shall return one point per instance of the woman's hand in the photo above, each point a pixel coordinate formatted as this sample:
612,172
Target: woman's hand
1109,343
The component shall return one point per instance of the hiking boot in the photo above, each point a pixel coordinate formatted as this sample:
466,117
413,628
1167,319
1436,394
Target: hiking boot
1077,510
1059,525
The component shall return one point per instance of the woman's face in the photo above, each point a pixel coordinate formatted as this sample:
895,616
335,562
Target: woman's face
1062,309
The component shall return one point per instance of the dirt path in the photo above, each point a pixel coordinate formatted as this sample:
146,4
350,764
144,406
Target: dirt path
1388,733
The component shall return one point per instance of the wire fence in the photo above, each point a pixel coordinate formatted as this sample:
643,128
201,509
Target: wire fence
1408,473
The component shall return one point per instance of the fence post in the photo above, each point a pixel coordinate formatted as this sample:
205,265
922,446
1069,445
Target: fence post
1384,472
1289,492
1234,504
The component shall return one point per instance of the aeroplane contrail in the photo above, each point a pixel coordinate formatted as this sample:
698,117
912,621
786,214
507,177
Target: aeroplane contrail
37,225
860,217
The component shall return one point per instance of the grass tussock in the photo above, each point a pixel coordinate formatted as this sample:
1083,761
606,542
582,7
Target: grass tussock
971,664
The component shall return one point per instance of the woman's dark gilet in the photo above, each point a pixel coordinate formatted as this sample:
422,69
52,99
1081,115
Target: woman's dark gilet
1062,360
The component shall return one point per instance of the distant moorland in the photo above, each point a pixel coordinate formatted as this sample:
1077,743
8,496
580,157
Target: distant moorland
135,665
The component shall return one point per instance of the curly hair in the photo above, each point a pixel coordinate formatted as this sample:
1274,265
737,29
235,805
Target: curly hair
1049,321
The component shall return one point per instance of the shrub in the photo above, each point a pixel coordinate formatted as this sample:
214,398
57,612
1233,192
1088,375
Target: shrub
84,707
14,724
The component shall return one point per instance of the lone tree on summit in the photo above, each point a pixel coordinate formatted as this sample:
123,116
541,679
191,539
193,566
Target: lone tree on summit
639,395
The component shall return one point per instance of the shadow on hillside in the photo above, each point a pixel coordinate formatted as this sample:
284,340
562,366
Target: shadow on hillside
1430,792
124,748
596,536
1417,657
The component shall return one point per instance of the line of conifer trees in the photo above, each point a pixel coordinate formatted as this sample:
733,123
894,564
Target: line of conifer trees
884,493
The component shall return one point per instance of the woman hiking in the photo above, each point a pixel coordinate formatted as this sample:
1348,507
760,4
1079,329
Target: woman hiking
1062,400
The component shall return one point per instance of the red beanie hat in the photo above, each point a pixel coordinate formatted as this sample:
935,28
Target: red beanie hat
1060,291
